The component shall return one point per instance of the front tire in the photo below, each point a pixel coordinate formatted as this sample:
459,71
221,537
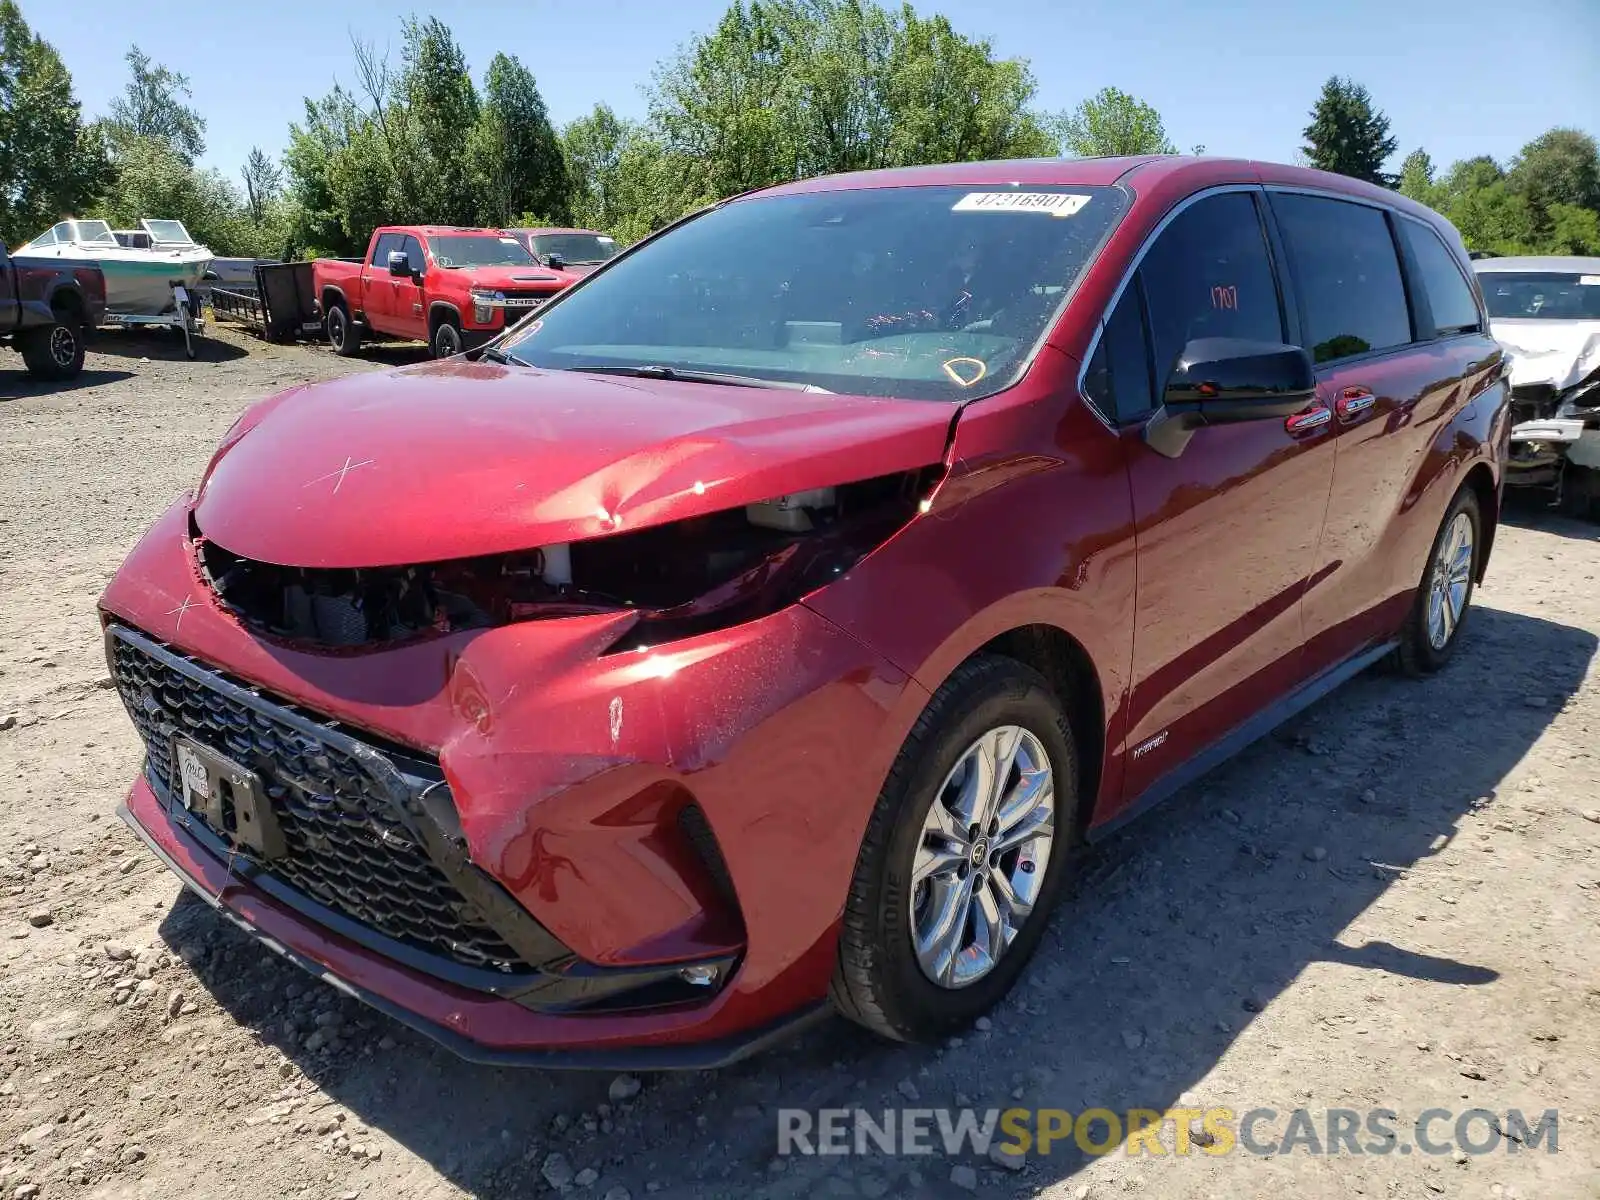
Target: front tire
963,858
1432,630
54,353
446,340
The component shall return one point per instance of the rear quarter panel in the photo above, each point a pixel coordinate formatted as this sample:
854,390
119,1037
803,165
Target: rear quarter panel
41,282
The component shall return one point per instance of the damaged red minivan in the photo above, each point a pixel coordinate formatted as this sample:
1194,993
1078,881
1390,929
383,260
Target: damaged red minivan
758,631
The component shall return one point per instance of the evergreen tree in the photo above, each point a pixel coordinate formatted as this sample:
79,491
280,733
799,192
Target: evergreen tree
1347,135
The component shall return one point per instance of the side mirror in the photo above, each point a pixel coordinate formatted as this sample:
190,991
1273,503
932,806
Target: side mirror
1223,381
555,262
399,263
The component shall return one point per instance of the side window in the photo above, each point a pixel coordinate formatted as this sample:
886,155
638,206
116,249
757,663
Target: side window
380,249
1455,309
413,249
1118,379
1346,274
63,232
1209,275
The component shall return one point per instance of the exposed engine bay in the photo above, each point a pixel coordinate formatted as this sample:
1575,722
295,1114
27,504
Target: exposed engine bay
1555,442
1545,313
683,577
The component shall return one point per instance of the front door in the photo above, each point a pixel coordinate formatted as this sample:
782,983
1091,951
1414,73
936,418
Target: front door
410,315
378,285
1227,531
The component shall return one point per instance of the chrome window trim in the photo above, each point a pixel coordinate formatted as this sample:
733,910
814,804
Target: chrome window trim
1173,214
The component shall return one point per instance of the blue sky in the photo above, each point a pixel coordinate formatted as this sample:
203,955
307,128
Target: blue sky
1458,77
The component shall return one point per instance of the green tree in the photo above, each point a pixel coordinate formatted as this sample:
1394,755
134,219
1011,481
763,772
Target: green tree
624,181
951,100
782,89
51,165
153,105
263,183
1494,218
1573,230
437,88
1111,122
1347,134
1416,179
1472,174
154,180
1560,166
516,156
342,177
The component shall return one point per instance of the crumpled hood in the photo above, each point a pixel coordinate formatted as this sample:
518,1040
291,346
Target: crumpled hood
1560,353
456,459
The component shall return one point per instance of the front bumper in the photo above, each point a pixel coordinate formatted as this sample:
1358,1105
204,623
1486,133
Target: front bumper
474,1026
1553,429
567,770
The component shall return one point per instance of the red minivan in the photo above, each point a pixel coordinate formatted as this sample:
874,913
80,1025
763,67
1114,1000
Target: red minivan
758,631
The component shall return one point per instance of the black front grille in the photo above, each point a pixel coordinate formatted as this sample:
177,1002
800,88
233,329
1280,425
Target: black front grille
347,847
1533,400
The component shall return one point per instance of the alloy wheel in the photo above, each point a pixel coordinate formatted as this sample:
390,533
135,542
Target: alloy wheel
1450,581
63,346
981,860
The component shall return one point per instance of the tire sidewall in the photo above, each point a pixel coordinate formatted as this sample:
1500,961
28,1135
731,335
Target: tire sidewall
338,329
1431,658
1003,699
446,332
40,352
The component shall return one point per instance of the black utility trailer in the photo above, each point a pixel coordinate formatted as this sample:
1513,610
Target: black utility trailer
281,307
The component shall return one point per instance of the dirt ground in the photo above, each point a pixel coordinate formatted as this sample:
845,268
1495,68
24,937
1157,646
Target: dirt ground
1391,904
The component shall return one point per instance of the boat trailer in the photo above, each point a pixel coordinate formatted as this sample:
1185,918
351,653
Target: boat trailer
185,313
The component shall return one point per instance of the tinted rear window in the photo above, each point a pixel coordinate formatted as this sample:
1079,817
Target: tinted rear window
1346,273
1455,309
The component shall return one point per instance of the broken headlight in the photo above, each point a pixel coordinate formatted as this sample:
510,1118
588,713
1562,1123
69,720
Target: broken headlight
682,578
1582,399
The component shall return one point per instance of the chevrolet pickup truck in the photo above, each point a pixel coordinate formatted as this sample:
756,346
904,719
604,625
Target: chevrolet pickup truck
453,288
47,308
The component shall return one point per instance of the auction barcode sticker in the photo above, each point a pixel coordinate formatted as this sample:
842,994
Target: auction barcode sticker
1054,204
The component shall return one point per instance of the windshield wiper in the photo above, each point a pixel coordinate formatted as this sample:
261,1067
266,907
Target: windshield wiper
688,375
496,355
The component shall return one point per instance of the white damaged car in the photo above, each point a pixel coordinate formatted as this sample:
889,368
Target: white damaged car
1545,311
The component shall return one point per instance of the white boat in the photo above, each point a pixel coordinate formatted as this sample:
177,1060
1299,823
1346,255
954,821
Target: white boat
139,281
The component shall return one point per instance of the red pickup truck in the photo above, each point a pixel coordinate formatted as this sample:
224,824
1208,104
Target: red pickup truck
453,288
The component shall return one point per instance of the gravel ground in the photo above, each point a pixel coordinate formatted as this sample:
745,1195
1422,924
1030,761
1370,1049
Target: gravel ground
1391,904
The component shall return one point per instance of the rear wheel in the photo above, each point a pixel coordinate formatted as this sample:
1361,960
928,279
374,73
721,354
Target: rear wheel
1433,628
446,340
55,352
963,857
343,333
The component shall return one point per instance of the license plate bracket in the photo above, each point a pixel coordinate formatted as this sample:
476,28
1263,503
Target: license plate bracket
227,797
